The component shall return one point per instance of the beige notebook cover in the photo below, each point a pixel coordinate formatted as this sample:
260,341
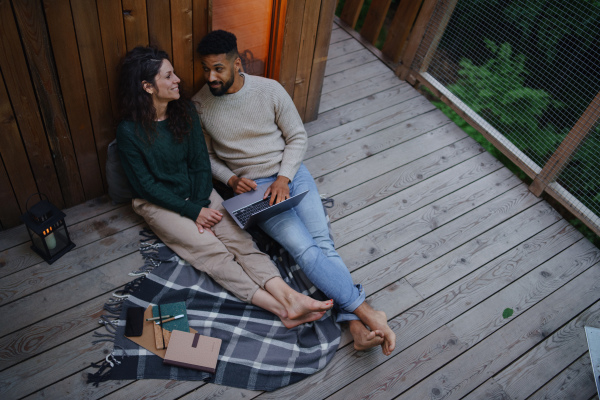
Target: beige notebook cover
192,350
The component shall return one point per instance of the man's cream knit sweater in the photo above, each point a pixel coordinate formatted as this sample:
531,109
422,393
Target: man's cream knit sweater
253,133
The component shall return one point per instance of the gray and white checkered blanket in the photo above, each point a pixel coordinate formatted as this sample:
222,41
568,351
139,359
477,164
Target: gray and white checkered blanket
257,352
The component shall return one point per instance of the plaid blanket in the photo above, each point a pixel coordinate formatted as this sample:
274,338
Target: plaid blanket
257,352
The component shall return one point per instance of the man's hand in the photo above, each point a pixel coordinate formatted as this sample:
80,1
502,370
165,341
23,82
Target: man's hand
279,190
241,185
207,219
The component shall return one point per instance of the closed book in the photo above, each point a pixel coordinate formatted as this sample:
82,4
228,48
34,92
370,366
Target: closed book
192,350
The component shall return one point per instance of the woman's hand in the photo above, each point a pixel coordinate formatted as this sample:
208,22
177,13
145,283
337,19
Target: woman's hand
279,190
207,219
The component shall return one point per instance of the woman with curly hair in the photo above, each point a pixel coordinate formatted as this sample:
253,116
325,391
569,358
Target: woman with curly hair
165,158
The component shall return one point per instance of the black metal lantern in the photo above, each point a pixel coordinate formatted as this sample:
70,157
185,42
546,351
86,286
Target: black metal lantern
47,229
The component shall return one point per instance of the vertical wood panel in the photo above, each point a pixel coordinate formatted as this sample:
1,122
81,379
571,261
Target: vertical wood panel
417,33
9,212
89,40
14,156
395,42
159,25
319,60
136,23
306,51
375,19
351,11
291,44
32,26
200,24
182,33
276,42
66,55
18,84
113,43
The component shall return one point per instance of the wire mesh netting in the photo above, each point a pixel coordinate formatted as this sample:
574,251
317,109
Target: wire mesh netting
528,70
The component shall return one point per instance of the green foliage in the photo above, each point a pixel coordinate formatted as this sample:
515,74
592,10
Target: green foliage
507,313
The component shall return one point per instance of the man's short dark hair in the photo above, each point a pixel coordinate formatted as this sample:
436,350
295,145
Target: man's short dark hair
218,42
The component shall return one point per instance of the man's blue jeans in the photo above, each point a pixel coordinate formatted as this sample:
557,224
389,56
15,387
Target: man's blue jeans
304,233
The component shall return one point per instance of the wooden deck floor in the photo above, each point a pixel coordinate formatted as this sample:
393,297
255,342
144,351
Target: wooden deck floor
441,235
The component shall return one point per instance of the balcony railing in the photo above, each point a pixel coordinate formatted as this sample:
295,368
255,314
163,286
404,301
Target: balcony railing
525,74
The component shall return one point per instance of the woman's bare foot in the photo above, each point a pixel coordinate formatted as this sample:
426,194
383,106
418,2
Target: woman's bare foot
296,304
377,321
364,339
292,323
299,305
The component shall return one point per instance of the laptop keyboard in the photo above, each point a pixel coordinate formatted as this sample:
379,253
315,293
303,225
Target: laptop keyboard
243,214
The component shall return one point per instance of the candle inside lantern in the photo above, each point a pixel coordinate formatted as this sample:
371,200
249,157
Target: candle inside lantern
50,240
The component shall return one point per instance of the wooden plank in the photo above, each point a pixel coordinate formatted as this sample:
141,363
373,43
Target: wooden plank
539,365
68,66
349,94
351,11
457,377
337,35
375,19
348,61
33,32
357,109
383,141
162,389
400,28
291,45
14,157
436,29
404,255
212,391
351,76
49,301
79,260
32,375
575,381
467,258
20,90
110,16
319,61
411,199
201,26
343,47
18,235
310,25
182,35
9,212
276,42
374,123
398,176
159,25
135,22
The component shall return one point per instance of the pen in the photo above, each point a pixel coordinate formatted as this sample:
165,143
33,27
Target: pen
170,319
155,318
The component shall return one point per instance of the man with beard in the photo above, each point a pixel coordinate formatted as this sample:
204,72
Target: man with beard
254,136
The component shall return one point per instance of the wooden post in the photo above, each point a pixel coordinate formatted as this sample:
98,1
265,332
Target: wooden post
351,11
416,36
375,19
567,147
400,28
446,7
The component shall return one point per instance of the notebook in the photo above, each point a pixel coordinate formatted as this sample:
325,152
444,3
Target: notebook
249,208
192,350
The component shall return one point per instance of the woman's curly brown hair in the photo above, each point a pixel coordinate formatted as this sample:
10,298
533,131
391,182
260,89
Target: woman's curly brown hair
139,65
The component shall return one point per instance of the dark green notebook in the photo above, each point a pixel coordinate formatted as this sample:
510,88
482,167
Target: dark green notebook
173,309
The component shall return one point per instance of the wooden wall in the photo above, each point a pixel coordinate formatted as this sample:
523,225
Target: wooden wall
58,86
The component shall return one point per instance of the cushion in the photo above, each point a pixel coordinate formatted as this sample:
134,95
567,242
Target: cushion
119,189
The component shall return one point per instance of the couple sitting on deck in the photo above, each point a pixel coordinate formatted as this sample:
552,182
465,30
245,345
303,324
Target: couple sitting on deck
252,135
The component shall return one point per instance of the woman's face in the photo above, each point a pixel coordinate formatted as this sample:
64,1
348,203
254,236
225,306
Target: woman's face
166,84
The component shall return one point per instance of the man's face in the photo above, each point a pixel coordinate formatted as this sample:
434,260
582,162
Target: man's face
219,72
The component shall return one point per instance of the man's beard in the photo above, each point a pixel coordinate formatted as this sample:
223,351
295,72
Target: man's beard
220,91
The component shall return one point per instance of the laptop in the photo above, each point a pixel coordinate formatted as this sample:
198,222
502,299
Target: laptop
249,208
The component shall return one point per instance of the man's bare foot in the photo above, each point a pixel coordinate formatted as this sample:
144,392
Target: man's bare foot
292,323
364,339
377,321
298,305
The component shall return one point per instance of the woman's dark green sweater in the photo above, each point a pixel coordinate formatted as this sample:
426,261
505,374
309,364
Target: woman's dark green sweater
172,175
